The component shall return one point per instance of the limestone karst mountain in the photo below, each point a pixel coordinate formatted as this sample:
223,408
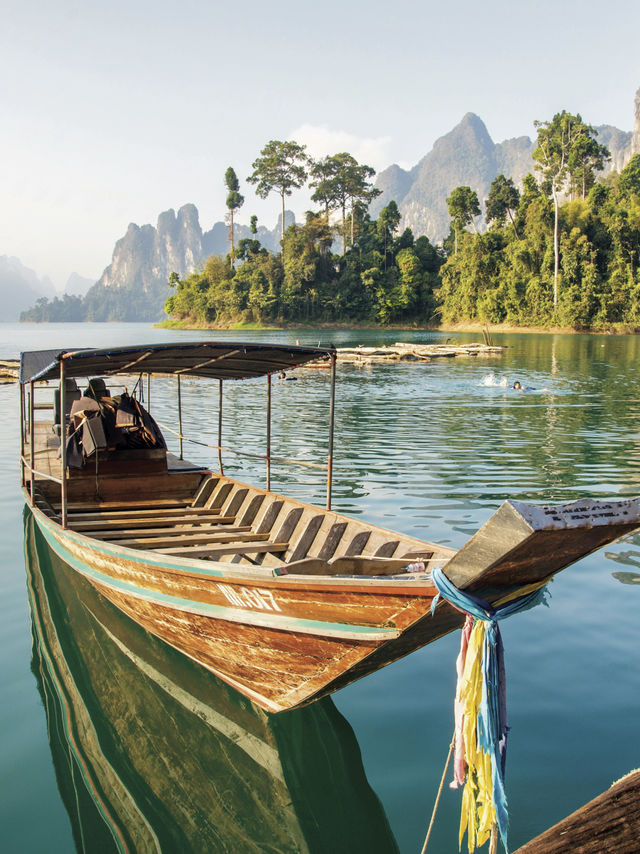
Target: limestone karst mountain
134,285
467,156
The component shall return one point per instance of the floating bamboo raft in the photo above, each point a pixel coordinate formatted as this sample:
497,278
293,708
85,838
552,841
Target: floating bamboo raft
400,352
8,370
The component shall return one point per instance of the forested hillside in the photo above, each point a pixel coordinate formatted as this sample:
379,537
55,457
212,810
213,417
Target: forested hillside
563,251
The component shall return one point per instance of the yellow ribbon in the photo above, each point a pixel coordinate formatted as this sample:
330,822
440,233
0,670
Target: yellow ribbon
478,813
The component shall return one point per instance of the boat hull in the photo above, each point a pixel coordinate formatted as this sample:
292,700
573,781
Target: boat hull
281,642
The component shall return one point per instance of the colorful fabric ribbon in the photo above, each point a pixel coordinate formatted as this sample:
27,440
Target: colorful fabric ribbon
481,710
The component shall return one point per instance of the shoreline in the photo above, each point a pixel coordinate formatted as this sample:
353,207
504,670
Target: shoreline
472,327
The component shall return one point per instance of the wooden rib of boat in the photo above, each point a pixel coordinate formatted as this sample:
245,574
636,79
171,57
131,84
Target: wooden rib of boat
286,601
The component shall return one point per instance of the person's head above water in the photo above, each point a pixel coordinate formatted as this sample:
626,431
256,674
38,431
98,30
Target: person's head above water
517,384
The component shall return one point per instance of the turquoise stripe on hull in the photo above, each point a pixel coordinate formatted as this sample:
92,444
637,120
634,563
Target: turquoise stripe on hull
219,612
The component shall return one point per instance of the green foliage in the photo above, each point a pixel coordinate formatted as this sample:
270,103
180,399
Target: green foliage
341,182
541,263
503,202
307,283
463,208
567,156
234,203
282,166
507,275
629,183
67,308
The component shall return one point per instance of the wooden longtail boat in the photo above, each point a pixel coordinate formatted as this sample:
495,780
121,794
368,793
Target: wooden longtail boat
223,776
283,600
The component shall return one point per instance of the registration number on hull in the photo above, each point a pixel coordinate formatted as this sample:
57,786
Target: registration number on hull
250,597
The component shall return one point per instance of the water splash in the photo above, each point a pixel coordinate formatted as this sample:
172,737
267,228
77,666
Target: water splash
494,381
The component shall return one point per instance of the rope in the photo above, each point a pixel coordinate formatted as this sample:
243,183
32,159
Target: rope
437,802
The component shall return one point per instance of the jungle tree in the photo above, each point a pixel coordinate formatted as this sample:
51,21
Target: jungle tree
282,166
463,208
562,151
234,203
502,202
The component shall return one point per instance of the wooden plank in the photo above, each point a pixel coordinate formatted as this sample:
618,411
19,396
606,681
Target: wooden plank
236,502
331,540
288,526
176,531
168,513
270,516
249,515
528,541
220,496
212,551
387,549
77,506
610,822
182,539
358,543
93,525
308,536
125,490
204,492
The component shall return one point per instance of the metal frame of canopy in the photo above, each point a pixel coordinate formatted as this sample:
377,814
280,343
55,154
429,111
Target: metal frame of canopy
222,361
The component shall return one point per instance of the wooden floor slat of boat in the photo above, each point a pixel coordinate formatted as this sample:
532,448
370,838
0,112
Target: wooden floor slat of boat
89,506
168,513
183,538
118,523
227,549
204,532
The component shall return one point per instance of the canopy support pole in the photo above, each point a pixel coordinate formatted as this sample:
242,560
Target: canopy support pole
22,472
268,432
331,429
149,392
63,447
220,430
32,449
179,416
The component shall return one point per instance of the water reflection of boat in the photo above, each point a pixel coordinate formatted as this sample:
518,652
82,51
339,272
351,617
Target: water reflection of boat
627,557
152,753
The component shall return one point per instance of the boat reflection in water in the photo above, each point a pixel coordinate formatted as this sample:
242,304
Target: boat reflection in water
153,753
629,557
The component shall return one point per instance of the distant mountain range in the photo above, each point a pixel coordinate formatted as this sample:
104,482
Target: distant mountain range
467,156
20,287
134,285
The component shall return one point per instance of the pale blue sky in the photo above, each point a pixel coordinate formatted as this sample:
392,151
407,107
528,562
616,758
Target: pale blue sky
112,112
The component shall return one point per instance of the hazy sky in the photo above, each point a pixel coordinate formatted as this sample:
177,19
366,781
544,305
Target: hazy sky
111,112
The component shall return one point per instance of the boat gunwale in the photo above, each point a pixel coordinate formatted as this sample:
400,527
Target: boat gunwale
252,575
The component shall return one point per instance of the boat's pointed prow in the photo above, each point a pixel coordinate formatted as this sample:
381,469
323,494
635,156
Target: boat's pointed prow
533,541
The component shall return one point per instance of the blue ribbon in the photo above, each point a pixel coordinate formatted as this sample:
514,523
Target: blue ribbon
492,715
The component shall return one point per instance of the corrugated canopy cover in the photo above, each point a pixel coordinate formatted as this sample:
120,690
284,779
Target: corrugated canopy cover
214,359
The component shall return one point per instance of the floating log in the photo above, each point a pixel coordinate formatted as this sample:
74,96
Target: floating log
610,822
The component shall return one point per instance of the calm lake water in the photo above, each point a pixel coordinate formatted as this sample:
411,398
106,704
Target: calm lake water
98,720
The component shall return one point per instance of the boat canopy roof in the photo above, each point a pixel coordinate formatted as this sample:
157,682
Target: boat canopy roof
223,360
